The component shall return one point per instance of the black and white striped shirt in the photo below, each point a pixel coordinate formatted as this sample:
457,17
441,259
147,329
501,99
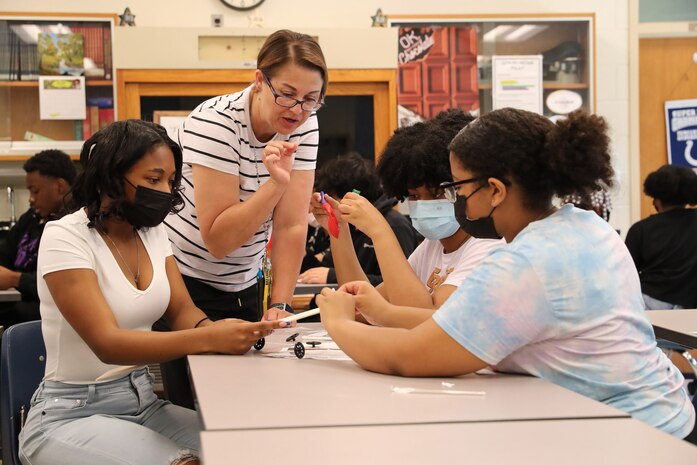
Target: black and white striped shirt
218,135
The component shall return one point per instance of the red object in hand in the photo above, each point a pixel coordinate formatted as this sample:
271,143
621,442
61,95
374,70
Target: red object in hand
333,223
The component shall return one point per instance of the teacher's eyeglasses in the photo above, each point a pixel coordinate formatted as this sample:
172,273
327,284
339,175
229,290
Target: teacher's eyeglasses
289,102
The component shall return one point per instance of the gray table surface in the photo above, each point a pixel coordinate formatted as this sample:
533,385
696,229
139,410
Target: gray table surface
679,326
10,295
305,289
253,391
569,442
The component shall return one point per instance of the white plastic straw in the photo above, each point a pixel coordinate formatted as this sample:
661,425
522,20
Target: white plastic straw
300,316
411,390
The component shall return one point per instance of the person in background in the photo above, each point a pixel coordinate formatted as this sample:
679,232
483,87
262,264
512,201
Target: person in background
598,201
249,167
347,174
664,245
49,175
317,244
561,300
106,274
414,164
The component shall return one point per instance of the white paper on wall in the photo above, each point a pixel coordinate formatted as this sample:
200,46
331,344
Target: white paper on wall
62,97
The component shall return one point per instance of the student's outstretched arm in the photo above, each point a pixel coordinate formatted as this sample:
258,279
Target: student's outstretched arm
425,350
400,284
78,296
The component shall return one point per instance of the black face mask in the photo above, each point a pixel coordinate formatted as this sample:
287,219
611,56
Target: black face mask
481,228
149,208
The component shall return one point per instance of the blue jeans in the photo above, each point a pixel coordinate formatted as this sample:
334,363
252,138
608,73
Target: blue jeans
113,423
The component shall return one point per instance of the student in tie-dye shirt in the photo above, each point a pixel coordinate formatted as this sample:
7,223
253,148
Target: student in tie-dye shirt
561,301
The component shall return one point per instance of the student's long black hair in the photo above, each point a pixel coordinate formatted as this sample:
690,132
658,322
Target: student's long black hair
543,158
107,156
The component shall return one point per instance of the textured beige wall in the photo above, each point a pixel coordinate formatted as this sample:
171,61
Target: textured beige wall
612,43
178,48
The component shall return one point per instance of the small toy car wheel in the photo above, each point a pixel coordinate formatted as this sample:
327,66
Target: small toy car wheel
299,349
260,344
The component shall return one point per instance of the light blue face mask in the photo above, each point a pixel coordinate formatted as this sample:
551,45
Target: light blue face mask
433,219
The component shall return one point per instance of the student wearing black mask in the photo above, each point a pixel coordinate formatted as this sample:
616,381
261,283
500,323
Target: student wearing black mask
105,274
561,300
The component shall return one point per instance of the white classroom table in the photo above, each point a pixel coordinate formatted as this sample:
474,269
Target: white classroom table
551,442
10,295
312,289
679,326
253,392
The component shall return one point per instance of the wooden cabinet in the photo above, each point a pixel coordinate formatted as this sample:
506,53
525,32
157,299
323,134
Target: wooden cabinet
22,131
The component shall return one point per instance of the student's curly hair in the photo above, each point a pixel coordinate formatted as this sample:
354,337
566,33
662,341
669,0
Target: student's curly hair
673,185
54,163
107,156
543,158
418,155
451,121
348,172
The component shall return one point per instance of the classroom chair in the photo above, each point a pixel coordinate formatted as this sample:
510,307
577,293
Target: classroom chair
22,363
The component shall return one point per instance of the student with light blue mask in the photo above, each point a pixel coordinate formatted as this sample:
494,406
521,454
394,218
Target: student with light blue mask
413,165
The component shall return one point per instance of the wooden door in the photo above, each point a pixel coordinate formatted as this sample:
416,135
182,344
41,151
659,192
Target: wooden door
666,72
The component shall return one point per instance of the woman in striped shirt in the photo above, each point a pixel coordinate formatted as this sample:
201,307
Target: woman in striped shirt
249,165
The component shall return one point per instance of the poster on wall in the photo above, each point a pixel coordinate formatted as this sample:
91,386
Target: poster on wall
681,131
517,82
437,70
171,120
62,97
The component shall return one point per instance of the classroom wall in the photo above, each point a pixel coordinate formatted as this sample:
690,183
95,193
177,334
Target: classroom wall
667,10
612,42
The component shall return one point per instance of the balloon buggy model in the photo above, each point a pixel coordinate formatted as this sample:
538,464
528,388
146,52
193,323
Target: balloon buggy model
304,342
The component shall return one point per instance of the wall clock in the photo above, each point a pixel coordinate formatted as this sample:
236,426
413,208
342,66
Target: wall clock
242,5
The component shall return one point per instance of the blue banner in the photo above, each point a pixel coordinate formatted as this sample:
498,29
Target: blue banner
681,131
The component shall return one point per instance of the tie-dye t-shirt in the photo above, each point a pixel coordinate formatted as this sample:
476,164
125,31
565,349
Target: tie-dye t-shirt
563,302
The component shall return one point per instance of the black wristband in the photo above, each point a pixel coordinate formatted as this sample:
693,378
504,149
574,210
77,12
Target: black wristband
200,321
283,306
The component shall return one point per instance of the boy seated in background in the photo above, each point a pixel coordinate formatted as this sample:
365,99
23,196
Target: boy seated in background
348,173
50,174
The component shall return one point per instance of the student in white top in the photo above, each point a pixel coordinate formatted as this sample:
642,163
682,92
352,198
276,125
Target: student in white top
413,165
106,274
